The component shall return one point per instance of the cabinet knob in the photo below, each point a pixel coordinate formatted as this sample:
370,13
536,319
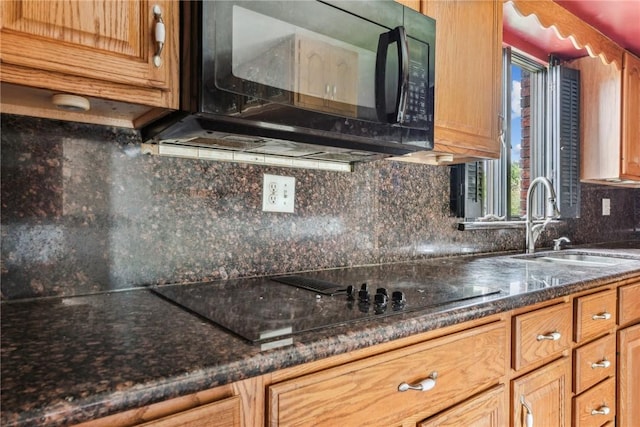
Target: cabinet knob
601,364
601,316
603,410
160,35
553,336
424,385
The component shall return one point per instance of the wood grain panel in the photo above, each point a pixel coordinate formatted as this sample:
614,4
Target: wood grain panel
628,304
587,311
631,117
103,42
468,58
597,399
628,383
527,349
547,391
466,363
584,374
600,118
225,413
113,26
486,410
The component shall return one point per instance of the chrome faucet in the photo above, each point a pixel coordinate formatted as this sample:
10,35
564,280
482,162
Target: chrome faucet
557,243
534,231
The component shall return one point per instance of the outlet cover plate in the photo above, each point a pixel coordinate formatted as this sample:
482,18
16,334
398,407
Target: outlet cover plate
278,193
606,207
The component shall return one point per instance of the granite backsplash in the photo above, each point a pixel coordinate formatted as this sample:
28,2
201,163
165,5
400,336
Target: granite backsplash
84,211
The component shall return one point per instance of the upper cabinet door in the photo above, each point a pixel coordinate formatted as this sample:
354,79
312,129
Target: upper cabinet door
631,117
103,40
468,76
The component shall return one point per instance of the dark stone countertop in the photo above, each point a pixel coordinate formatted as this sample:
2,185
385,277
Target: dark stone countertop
68,360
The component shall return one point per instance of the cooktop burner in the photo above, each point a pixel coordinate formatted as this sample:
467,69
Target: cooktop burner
271,310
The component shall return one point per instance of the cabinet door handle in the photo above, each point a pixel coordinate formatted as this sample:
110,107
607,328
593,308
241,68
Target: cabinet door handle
553,336
529,416
604,363
601,316
603,410
424,385
160,35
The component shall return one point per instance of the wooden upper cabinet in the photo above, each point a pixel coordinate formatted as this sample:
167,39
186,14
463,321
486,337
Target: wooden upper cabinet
609,120
468,77
94,48
630,117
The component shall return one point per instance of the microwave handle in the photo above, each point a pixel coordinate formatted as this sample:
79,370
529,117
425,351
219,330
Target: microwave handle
397,35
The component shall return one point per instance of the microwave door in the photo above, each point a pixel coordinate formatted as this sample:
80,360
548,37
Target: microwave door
309,55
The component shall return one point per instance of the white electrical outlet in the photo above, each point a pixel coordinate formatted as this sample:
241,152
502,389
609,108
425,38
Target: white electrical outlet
278,193
606,207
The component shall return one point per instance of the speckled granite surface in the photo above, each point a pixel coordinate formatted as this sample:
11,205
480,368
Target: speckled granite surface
70,359
84,211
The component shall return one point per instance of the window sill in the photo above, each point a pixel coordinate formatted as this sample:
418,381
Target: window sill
499,225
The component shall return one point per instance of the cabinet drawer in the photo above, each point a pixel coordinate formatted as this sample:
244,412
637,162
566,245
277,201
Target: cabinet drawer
595,315
629,304
594,362
223,413
597,406
541,334
466,363
487,409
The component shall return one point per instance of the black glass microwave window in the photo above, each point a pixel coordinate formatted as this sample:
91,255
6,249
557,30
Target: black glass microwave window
273,52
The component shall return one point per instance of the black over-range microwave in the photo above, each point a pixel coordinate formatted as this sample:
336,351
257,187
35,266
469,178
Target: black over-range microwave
337,80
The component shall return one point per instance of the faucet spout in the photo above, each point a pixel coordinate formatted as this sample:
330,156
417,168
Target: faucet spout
534,231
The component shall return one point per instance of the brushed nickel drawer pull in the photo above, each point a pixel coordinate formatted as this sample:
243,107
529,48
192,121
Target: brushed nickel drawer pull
601,316
424,385
603,410
604,363
553,336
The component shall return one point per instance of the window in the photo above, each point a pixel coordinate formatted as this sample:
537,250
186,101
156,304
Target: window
540,137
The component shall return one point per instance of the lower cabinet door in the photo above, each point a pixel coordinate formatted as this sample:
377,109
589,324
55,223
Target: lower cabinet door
542,397
486,410
629,377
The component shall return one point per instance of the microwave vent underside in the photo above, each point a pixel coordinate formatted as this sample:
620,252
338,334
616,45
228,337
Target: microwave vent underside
277,147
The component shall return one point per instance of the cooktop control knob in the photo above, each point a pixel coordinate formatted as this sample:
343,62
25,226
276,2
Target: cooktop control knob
351,292
381,298
363,294
398,299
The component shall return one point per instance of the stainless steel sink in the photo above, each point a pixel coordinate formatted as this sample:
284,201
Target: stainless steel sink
575,259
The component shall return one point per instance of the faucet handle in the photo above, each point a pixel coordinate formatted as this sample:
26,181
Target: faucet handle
557,243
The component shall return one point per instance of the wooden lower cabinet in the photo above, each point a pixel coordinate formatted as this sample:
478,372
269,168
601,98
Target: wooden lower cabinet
629,376
486,410
628,304
512,369
452,369
544,394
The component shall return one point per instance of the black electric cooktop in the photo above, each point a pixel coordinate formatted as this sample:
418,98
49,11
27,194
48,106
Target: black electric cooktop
271,310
